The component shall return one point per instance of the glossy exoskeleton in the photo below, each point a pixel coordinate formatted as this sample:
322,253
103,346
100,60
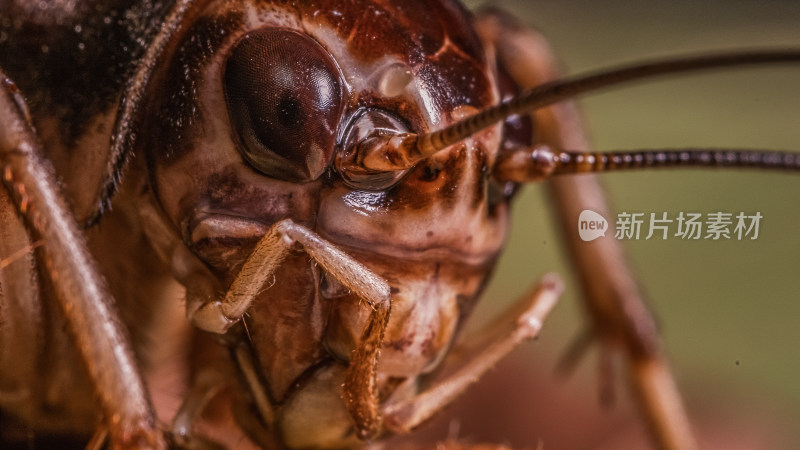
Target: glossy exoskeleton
263,157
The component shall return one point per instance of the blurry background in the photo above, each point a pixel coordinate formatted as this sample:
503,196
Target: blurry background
728,310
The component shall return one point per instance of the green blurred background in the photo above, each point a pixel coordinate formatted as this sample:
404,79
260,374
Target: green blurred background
728,310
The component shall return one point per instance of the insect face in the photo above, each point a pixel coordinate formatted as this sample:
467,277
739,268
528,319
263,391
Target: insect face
245,121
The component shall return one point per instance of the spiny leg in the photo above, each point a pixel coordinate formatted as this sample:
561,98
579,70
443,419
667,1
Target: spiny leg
360,392
620,317
21,333
469,360
80,291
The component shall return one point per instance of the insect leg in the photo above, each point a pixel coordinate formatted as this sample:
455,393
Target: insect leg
205,385
469,360
211,382
360,387
80,291
218,316
620,316
21,336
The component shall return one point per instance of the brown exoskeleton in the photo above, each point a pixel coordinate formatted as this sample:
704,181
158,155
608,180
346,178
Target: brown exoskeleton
281,171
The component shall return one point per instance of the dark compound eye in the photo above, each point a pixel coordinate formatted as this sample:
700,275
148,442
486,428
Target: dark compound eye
284,96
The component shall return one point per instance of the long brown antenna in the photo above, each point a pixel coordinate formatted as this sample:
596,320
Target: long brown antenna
540,162
395,152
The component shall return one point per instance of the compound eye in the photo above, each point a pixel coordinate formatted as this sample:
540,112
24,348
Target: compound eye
284,97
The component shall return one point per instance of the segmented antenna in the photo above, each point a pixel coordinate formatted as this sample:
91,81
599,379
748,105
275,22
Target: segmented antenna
540,162
401,151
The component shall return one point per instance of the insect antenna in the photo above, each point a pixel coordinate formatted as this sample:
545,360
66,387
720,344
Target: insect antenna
540,162
400,151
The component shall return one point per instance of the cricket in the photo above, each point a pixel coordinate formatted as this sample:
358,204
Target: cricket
272,224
